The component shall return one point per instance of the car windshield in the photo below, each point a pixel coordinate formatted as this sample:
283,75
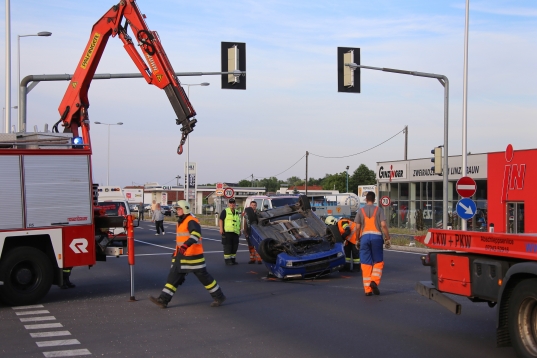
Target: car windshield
278,202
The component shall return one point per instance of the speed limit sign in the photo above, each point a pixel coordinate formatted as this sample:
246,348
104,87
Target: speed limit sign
385,201
228,193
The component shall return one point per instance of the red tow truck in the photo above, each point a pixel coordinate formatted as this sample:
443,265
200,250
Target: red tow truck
51,218
497,268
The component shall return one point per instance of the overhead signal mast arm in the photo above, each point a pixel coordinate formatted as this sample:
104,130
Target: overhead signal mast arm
156,69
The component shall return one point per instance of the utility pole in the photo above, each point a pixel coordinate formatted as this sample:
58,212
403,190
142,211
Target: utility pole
252,180
306,182
406,141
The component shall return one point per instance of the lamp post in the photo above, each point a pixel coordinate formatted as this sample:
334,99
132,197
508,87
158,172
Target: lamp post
347,178
108,169
178,177
188,145
4,116
42,33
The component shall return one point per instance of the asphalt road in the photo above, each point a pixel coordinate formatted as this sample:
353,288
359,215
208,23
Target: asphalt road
262,317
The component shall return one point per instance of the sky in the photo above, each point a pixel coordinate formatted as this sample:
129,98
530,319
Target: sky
291,104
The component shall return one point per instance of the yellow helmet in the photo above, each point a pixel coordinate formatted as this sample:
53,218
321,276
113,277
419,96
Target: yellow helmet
184,205
330,220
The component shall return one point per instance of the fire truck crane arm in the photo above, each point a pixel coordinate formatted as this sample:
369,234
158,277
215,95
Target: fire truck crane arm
155,68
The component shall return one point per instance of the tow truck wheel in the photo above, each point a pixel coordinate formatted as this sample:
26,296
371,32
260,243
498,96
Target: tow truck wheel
27,274
522,318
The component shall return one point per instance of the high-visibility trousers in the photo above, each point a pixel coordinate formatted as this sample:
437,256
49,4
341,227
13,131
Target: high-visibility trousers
371,259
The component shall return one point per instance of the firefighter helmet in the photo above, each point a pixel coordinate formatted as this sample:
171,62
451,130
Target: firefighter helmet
330,220
184,205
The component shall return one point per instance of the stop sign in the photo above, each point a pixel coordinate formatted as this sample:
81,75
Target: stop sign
466,187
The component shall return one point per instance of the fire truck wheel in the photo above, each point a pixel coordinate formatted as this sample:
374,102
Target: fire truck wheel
27,274
266,251
522,318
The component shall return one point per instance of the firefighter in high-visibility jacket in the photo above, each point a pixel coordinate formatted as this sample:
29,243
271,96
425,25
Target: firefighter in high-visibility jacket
371,224
347,229
188,258
230,229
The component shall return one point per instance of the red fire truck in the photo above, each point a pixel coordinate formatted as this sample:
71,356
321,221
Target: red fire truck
51,218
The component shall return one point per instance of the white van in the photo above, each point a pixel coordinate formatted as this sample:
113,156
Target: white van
112,200
265,202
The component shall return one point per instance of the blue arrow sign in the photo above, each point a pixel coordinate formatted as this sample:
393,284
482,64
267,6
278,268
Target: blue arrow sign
466,208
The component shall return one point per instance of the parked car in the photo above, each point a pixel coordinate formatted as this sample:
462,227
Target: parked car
293,242
166,210
265,202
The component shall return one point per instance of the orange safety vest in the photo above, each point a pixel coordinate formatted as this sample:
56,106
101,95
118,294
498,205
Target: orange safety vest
353,236
183,235
369,223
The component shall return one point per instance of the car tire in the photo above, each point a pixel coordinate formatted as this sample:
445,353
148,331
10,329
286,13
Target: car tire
27,274
304,202
251,217
267,252
332,230
521,320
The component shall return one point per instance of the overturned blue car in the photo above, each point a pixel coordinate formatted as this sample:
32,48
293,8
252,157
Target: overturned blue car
293,242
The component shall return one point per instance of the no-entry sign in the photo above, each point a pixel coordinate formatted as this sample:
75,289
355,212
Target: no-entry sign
466,187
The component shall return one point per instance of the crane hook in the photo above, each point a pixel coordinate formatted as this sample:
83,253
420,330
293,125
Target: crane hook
180,149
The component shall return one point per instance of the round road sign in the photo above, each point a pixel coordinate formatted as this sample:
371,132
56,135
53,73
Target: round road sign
385,201
228,193
466,187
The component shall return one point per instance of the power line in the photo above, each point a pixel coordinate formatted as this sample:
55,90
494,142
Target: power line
367,150
251,175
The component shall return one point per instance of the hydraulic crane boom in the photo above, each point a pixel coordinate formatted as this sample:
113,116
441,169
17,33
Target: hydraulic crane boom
157,70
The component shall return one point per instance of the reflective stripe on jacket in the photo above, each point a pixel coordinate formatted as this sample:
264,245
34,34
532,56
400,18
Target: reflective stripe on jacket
183,235
353,236
369,223
232,223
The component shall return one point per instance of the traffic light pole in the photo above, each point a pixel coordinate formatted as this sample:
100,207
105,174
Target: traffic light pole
445,83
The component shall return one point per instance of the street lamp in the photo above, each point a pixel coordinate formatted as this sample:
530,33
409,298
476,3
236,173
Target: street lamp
188,144
42,33
108,169
347,178
178,177
4,116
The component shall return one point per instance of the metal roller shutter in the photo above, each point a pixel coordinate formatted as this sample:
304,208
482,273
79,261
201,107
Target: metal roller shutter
10,193
57,190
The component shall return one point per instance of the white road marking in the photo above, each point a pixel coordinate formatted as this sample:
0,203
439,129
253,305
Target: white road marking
27,307
62,342
50,334
43,325
69,353
148,243
31,312
35,319
408,252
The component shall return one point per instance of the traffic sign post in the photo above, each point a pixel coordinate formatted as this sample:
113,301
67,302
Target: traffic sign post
466,208
385,201
466,187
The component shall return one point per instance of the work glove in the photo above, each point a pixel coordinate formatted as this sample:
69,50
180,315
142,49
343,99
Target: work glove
183,248
387,244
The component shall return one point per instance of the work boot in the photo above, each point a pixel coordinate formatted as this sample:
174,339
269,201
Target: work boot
369,294
229,262
259,262
233,262
159,302
251,262
218,301
375,288
66,282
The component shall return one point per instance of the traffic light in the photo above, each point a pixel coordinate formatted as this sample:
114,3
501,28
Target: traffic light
348,78
233,58
437,160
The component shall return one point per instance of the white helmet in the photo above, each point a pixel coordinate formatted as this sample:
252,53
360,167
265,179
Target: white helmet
184,205
330,220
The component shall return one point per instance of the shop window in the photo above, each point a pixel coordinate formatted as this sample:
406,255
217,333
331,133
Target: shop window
403,191
394,191
481,192
438,188
427,191
418,191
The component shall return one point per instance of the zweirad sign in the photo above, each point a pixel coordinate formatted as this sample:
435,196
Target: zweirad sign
420,169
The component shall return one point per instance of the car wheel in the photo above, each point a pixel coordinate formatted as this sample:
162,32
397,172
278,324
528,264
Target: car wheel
251,217
304,202
27,275
267,252
333,231
522,319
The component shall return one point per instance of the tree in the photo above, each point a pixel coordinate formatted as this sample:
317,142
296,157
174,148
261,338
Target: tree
245,183
294,181
362,176
335,182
